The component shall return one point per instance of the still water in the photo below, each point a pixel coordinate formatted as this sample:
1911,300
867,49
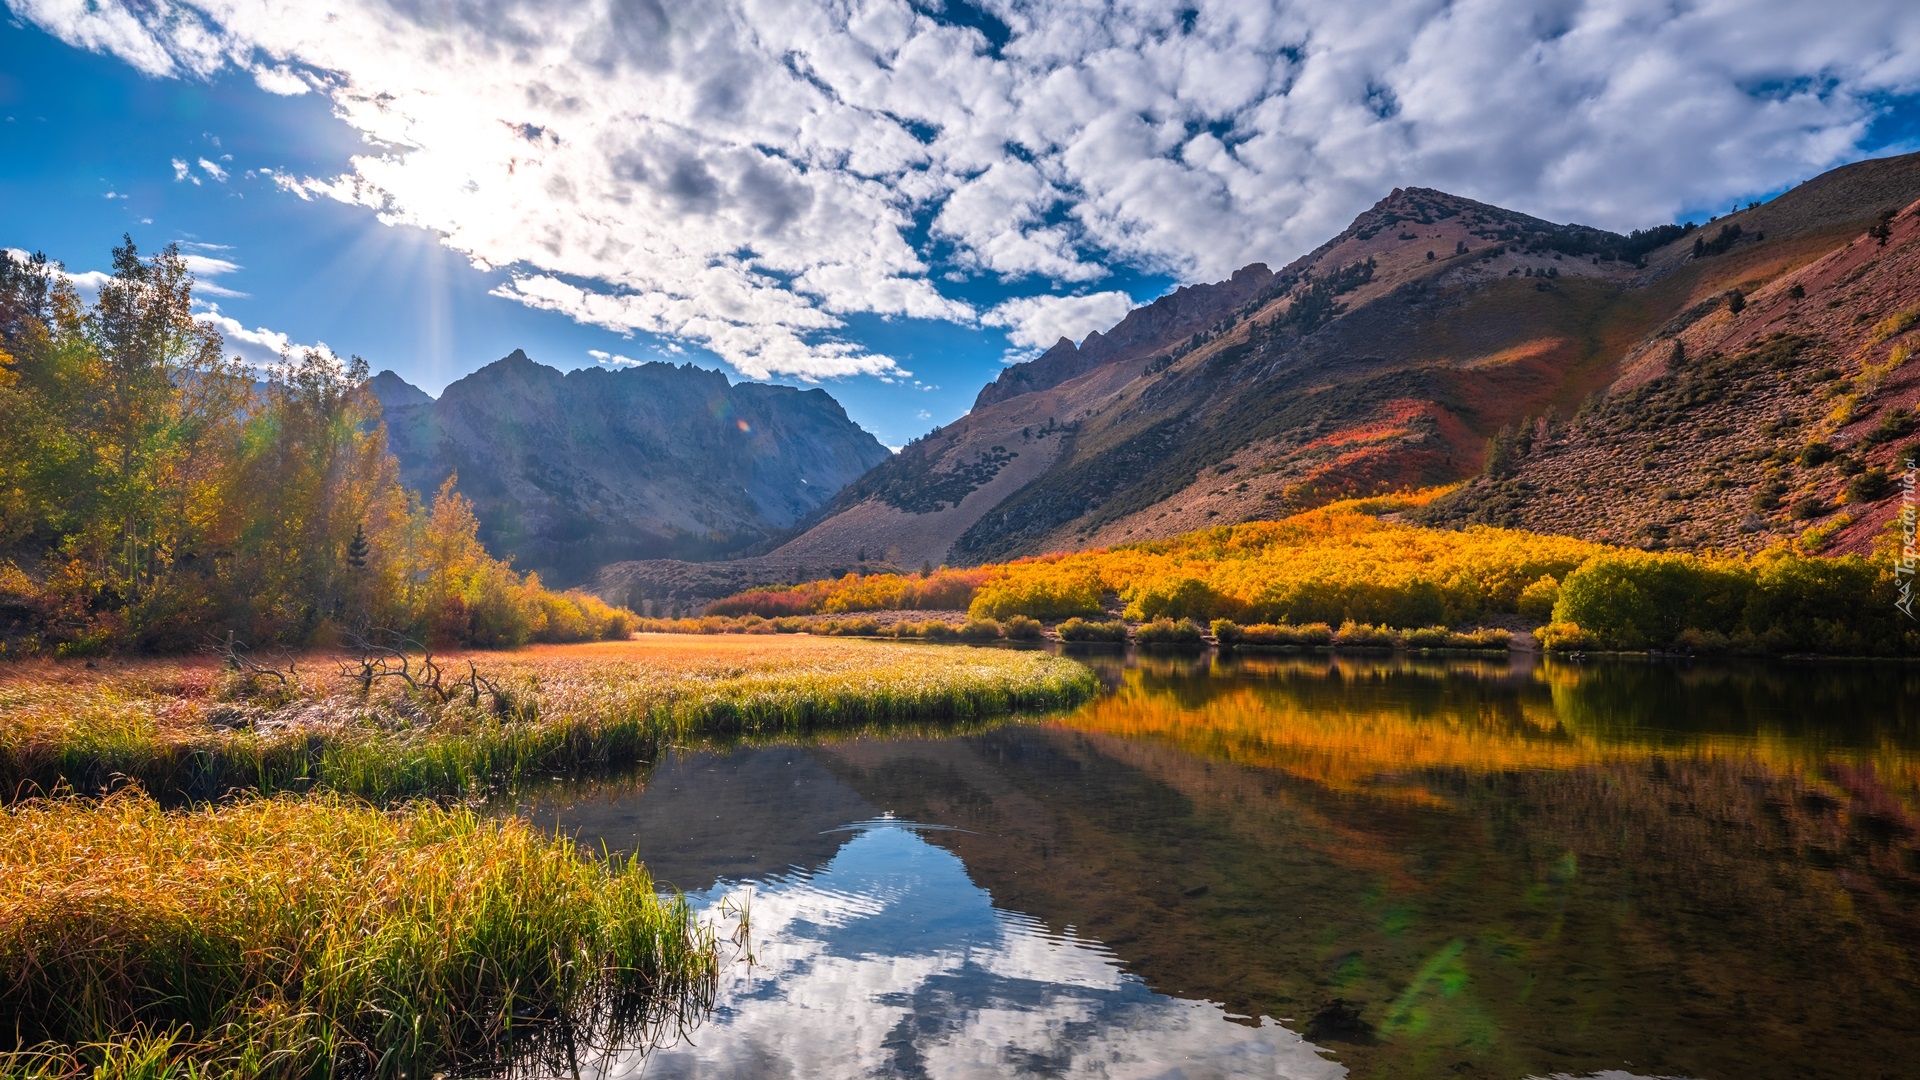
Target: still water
1316,867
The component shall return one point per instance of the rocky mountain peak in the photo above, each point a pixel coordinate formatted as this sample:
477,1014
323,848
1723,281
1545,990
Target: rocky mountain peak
1145,331
394,392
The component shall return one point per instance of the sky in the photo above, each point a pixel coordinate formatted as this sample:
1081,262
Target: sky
891,199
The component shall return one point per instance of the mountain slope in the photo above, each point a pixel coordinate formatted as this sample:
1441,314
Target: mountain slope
571,471
1788,413
1386,358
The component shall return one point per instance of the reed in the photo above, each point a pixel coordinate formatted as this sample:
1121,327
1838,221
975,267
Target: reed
319,936
185,731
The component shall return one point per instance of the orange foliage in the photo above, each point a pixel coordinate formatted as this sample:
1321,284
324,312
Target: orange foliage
942,590
1337,563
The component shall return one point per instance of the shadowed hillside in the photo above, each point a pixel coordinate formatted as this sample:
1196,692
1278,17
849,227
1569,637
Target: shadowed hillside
569,472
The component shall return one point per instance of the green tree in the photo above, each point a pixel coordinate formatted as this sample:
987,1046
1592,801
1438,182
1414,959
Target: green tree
169,404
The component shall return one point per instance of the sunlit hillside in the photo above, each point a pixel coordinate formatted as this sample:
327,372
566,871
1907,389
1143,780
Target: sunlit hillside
1357,561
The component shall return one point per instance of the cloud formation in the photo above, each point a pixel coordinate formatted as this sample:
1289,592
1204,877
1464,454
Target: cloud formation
747,173
1036,322
256,346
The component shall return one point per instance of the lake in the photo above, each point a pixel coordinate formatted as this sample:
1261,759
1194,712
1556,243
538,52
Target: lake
1314,866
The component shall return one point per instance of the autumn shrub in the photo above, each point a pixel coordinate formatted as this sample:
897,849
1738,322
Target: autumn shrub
1077,629
1426,637
980,630
1358,635
1565,637
1274,635
1165,631
1807,508
1021,628
1492,638
1872,485
930,630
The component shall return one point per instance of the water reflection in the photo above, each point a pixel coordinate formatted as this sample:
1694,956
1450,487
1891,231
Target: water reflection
1507,870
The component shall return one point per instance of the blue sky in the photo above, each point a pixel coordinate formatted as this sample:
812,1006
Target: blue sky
890,199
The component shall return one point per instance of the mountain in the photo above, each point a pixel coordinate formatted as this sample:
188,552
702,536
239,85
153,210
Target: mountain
1396,353
392,391
1776,402
569,472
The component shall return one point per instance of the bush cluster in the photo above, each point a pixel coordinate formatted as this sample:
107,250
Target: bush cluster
1165,631
1078,629
1773,603
1355,636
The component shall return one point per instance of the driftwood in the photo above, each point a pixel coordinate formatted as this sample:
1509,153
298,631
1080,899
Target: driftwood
239,657
390,654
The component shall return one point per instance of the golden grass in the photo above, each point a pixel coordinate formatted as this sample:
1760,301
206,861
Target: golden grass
302,936
185,729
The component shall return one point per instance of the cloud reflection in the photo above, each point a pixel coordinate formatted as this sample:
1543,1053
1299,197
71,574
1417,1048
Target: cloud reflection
890,961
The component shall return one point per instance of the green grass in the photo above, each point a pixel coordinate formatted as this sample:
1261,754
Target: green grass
186,731
318,936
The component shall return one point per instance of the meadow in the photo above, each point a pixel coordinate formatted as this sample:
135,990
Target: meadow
190,729
197,877
1356,562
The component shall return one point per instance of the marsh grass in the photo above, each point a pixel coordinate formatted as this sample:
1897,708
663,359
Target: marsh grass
183,730
319,936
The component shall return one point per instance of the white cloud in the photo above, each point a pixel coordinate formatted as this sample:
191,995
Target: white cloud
257,345
182,171
213,170
207,267
1036,322
280,80
747,173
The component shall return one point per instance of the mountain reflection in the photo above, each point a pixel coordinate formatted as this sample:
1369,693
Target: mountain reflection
1509,871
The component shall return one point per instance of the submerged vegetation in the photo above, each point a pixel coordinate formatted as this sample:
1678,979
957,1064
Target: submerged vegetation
1350,563
188,729
152,493
317,936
